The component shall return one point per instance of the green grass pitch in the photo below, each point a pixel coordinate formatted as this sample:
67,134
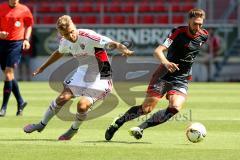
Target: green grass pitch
216,105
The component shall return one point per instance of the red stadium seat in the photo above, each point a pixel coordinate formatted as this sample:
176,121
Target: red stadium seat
117,11
37,20
190,1
113,8
85,7
160,1
77,19
147,19
177,19
159,8
162,19
119,20
144,7
58,9
107,20
44,9
73,7
96,8
176,8
128,7
174,1
187,7
130,19
90,19
49,20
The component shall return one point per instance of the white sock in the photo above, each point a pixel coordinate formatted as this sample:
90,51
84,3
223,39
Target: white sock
51,111
80,117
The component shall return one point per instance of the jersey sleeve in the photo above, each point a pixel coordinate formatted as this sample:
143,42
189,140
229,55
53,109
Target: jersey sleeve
64,47
169,40
28,18
96,39
103,41
205,35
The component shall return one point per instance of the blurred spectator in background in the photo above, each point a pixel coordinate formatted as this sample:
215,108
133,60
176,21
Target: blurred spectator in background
214,46
212,51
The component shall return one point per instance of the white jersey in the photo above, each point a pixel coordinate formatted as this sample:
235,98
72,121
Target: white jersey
89,82
86,43
89,44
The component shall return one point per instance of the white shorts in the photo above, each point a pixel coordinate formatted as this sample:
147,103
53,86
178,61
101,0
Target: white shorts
92,88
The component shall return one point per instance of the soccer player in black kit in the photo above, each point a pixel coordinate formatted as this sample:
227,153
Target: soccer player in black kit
171,78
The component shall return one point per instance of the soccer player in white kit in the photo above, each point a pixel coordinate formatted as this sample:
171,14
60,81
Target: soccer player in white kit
79,43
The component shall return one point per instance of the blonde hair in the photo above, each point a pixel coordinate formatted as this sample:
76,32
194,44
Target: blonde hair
196,13
64,22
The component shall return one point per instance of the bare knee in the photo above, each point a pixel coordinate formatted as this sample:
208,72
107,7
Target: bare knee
149,104
83,106
176,101
147,108
9,74
63,98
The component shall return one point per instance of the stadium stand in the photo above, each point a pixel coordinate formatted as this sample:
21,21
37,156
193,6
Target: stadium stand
111,12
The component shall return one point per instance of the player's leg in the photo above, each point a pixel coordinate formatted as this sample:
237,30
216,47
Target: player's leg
21,104
154,94
7,89
176,101
136,111
11,60
94,91
12,85
82,108
52,110
7,85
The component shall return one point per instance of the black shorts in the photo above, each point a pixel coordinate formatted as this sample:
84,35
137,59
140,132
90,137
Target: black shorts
161,84
10,53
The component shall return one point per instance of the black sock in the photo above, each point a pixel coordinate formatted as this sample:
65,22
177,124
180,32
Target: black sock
7,89
132,113
16,92
159,117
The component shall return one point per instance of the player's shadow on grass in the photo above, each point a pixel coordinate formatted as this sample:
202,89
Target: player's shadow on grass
28,140
123,142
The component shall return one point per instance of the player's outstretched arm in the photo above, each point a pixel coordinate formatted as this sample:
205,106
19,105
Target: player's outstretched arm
120,47
53,58
158,53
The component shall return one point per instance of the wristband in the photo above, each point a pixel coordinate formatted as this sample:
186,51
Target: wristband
27,39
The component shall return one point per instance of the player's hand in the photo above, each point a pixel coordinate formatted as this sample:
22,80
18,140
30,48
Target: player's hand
3,35
37,71
171,67
26,45
127,52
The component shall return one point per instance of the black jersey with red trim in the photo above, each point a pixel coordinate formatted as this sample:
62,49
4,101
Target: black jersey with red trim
183,49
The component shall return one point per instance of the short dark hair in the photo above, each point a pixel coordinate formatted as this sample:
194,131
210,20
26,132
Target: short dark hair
196,13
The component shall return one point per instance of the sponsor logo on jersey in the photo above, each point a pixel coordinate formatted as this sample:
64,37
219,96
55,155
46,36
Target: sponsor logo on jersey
168,42
82,46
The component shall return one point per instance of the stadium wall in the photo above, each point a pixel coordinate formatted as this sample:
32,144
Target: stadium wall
145,40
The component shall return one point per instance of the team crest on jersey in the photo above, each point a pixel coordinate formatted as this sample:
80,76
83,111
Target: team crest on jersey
82,46
17,24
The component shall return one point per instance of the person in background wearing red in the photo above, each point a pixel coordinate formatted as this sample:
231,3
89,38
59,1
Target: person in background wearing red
16,23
